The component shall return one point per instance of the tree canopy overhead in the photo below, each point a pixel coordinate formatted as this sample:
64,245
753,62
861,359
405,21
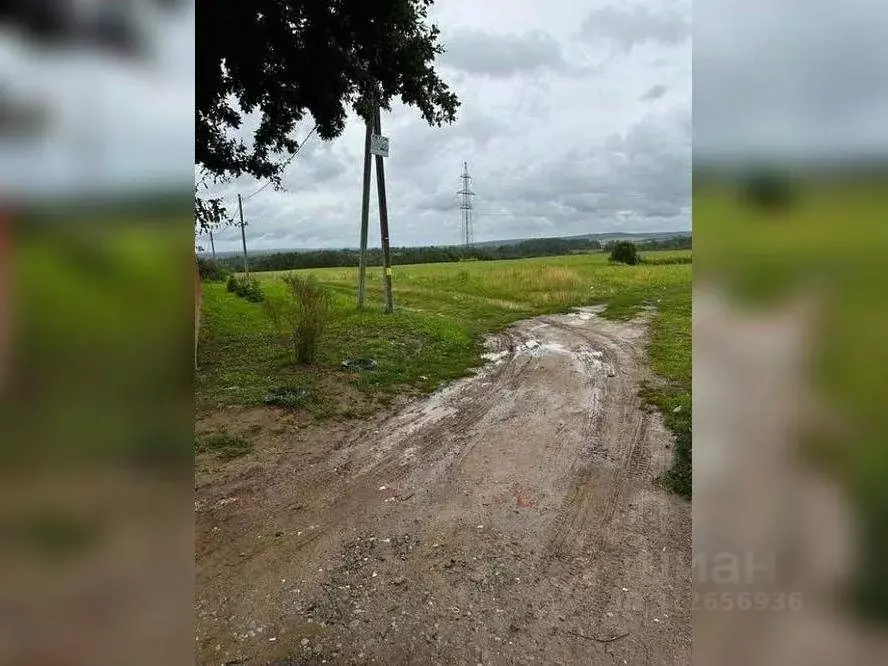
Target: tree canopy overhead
286,59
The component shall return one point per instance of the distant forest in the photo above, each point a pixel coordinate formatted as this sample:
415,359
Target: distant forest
542,247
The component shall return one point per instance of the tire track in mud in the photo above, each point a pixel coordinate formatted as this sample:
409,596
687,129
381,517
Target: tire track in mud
450,434
605,418
432,440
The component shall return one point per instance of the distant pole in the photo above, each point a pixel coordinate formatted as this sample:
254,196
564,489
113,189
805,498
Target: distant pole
240,207
383,221
212,244
365,216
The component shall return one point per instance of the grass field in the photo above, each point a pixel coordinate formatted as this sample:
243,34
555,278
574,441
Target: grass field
442,313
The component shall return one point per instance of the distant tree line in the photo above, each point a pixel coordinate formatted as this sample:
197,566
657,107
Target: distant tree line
541,247
674,243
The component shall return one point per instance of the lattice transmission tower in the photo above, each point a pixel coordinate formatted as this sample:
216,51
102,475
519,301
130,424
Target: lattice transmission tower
465,205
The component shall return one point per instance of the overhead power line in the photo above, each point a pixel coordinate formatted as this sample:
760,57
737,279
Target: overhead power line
285,164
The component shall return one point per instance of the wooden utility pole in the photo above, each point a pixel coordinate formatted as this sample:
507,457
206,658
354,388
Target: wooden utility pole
212,244
365,217
383,220
240,208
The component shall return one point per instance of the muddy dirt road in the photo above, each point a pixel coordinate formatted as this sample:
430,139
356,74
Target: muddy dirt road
511,518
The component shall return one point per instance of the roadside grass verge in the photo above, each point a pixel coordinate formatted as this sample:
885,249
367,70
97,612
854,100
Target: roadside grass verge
670,358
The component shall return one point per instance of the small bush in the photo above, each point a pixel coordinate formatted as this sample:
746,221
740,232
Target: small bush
301,315
624,252
211,271
251,291
247,288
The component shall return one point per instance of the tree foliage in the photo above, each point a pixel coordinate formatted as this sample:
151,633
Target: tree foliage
542,247
624,252
286,59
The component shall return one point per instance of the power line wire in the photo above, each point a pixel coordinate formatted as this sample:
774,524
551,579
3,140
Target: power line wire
285,164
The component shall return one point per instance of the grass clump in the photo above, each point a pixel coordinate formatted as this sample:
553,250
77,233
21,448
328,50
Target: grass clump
287,397
222,446
301,314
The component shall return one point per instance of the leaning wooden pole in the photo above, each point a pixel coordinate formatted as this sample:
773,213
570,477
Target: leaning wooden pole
365,216
383,221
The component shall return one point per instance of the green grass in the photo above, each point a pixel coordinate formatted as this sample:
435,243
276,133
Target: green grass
222,446
442,313
670,358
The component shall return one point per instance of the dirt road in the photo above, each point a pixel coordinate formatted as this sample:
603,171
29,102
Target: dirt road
511,518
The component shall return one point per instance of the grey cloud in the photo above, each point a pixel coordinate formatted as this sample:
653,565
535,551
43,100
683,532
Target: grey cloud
654,92
500,56
443,201
632,26
419,147
640,180
321,168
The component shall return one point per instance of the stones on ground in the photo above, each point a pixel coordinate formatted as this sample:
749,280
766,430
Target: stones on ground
360,364
676,410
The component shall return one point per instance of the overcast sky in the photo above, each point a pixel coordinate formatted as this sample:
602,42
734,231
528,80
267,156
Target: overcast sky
790,78
137,116
572,121
576,116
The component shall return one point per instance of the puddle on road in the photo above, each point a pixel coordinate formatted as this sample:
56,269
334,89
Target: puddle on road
495,357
